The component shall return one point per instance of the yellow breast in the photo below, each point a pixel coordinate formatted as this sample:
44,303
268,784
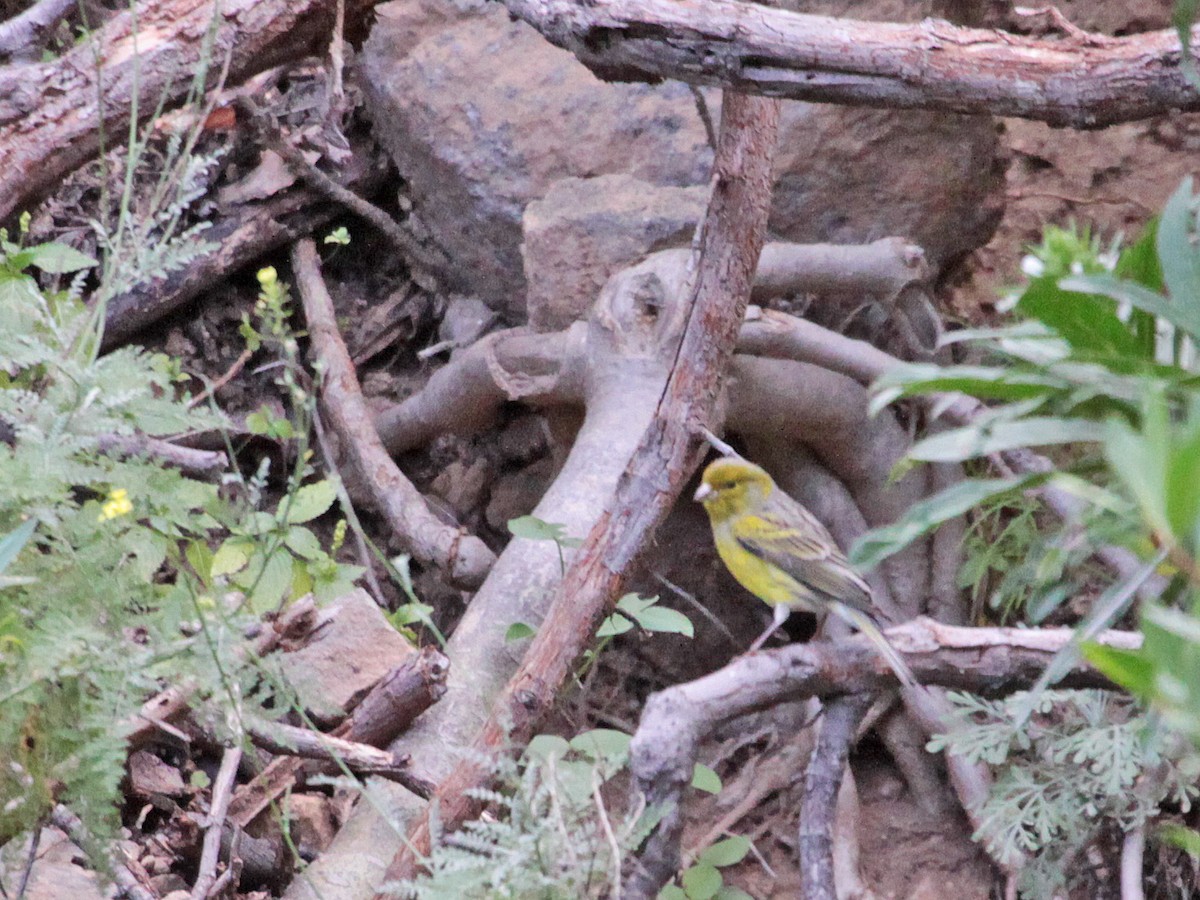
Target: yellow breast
767,582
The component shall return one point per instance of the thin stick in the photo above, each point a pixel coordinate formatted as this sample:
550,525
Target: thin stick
211,853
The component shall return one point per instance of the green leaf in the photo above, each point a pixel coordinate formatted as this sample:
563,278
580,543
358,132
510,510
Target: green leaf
303,543
11,543
17,291
311,500
58,259
1140,461
1128,668
518,631
1177,252
923,517
602,745
149,550
1175,622
1139,261
534,529
576,778
1087,322
543,747
705,779
1186,839
230,557
701,882
1178,314
666,621
984,382
401,572
672,892
971,442
728,852
614,625
273,583
200,558
635,604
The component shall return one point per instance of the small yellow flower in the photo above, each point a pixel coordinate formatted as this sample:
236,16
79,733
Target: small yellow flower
267,277
117,504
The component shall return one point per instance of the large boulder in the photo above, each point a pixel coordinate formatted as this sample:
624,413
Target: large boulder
483,116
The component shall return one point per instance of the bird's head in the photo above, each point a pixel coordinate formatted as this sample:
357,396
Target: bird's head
732,486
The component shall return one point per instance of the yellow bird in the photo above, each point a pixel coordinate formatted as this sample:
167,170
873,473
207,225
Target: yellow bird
779,552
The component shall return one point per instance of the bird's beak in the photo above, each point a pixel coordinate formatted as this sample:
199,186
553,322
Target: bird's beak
703,492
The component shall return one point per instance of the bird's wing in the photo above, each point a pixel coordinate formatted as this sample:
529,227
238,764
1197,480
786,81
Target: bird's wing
795,542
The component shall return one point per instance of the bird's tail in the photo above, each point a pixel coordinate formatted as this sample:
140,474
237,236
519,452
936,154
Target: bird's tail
867,625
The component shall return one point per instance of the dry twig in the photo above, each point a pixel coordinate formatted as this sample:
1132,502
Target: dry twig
218,806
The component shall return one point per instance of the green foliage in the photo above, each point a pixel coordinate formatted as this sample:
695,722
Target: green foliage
77,651
547,833
648,615
111,588
1102,358
156,224
1101,361
340,237
1078,764
534,529
702,880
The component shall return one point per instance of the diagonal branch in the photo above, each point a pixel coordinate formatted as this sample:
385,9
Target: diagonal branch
731,240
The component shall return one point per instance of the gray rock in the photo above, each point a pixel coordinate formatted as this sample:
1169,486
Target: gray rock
586,229
483,116
351,648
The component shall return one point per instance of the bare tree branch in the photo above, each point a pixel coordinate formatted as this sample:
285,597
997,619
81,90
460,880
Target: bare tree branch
49,111
464,557
1078,82
362,759
676,720
822,780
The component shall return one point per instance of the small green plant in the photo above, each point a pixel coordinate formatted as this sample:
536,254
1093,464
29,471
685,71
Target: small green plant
111,587
413,612
339,237
534,529
1083,761
1102,365
92,616
548,830
703,879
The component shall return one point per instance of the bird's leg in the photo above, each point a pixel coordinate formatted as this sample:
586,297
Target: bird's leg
782,611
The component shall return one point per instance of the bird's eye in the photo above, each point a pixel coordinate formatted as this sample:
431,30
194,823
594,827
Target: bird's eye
728,485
